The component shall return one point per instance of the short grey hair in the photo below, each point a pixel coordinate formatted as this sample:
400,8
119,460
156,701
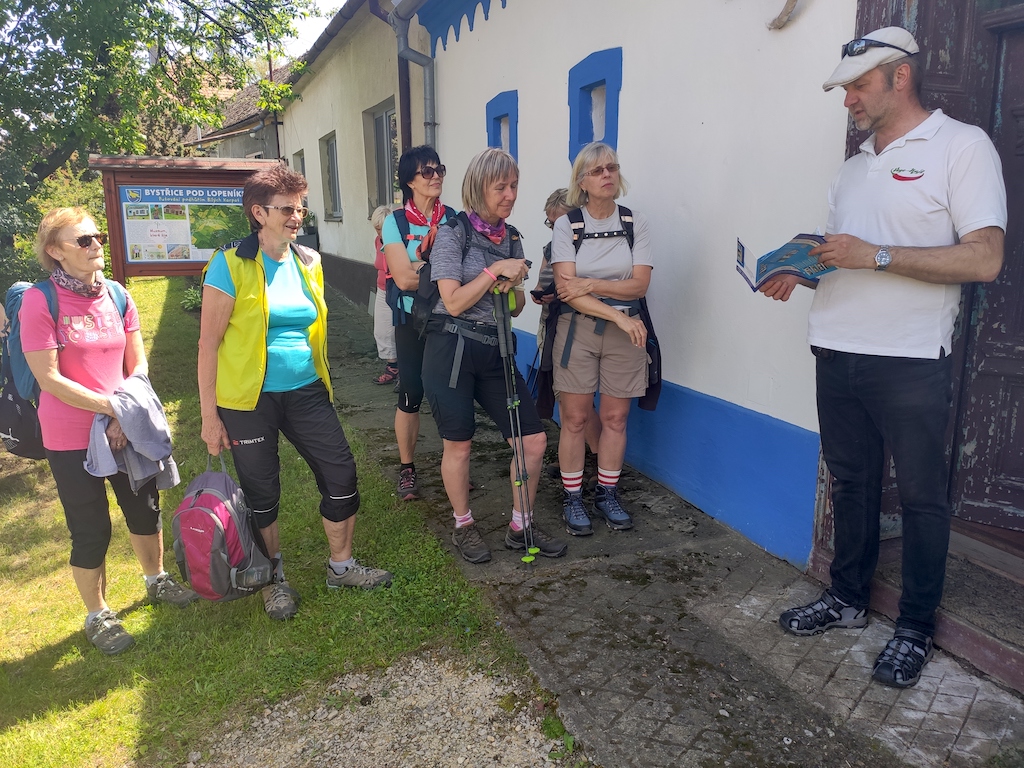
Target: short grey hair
490,166
378,216
557,199
591,156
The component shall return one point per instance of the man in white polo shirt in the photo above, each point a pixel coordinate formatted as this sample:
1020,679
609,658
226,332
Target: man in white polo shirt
920,210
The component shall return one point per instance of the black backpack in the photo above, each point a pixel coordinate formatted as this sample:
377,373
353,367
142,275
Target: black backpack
427,295
578,227
392,293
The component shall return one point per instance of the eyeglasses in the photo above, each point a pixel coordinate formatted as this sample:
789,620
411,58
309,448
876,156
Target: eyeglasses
290,210
599,171
86,240
549,223
428,171
860,45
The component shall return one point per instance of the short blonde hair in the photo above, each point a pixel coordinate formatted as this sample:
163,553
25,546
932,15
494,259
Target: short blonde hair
49,232
380,213
486,168
557,199
589,157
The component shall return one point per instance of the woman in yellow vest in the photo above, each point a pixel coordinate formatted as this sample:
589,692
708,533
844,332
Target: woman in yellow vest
263,371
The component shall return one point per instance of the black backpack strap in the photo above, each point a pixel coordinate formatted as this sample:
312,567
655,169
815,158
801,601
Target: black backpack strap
626,217
403,226
576,222
579,235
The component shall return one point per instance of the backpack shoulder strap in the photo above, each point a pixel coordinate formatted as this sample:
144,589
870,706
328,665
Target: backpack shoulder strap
403,225
117,293
626,217
50,292
450,213
467,231
576,222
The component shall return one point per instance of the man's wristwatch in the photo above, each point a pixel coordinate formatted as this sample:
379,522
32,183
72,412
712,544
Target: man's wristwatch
883,258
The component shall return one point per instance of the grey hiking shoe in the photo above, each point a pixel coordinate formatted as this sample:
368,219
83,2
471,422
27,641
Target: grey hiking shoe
408,487
166,590
107,634
358,576
280,601
577,521
549,546
471,544
827,612
608,505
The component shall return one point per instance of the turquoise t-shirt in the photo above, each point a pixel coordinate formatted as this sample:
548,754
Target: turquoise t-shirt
389,234
289,355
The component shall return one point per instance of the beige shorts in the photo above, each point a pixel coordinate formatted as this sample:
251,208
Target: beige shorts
608,363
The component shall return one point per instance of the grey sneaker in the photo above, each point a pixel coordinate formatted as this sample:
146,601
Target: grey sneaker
549,546
577,521
280,601
471,544
408,487
827,612
358,576
166,590
107,634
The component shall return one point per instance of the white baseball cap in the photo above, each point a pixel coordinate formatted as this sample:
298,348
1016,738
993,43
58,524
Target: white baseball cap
862,55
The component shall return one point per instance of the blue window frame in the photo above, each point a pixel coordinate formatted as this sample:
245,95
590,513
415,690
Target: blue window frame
602,69
504,107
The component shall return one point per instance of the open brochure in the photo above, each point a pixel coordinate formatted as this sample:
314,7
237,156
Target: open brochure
791,259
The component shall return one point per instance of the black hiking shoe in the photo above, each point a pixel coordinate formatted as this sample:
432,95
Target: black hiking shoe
899,665
549,546
471,544
166,590
107,634
577,521
608,505
827,612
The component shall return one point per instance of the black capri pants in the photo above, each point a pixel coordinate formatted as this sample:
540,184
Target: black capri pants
481,378
87,511
409,348
307,418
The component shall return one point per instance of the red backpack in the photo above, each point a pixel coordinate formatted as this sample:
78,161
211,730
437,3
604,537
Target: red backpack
217,544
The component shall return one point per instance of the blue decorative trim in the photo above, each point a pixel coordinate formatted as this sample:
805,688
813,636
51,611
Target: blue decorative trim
439,16
756,474
600,68
505,104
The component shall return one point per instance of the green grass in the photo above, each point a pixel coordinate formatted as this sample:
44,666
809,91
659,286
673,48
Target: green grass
64,704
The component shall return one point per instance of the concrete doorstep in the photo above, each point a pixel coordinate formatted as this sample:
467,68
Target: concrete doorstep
662,643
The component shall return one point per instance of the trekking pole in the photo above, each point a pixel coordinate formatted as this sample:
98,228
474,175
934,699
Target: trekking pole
506,343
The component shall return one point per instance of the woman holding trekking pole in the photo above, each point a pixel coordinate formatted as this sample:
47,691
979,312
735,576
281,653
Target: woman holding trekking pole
474,257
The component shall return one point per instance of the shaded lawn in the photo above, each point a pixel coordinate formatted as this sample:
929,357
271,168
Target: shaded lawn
62,703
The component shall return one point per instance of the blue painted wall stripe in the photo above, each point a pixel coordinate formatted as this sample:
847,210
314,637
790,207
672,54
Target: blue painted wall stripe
755,473
505,104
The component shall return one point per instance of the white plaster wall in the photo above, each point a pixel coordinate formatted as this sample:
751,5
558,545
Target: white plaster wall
358,71
724,132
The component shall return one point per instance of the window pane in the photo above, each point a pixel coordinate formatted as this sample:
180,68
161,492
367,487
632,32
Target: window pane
382,159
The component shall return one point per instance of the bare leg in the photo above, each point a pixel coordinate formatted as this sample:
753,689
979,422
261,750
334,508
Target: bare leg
593,430
92,586
533,448
272,538
575,411
407,431
614,415
150,552
455,474
339,538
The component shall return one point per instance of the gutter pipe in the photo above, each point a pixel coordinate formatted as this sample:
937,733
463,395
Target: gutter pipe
399,19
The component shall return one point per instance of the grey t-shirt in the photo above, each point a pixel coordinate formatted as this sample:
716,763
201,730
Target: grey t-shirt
603,258
446,263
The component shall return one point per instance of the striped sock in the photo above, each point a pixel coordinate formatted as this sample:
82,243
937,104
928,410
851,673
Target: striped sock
461,521
518,520
608,477
573,481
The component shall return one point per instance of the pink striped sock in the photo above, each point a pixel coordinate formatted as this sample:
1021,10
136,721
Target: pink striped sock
518,521
461,521
572,481
608,477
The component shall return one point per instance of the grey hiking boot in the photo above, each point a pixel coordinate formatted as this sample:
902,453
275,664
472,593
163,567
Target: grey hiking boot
827,612
549,546
608,505
471,544
107,634
358,576
577,521
166,590
280,601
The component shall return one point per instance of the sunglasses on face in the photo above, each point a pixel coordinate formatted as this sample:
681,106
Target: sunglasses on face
859,46
428,171
86,240
599,171
289,210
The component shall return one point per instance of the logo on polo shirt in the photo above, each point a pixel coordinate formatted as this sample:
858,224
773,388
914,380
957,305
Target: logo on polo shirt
907,174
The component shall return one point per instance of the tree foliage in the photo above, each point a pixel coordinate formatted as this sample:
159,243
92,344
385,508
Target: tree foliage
117,77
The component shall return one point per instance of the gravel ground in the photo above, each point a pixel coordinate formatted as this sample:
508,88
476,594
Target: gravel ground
423,711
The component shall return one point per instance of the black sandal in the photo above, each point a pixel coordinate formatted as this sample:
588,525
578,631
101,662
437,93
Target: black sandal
899,665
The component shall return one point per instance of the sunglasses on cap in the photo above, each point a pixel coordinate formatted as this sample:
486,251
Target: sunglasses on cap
290,210
86,240
428,171
860,45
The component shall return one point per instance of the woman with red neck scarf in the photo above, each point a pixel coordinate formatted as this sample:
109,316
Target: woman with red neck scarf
472,257
408,235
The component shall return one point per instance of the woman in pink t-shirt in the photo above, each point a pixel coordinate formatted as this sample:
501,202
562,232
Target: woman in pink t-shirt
79,361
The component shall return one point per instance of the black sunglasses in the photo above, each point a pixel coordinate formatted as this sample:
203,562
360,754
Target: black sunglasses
86,240
860,45
428,171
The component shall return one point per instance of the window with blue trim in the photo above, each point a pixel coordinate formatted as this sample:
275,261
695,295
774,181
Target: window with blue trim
594,86
503,122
